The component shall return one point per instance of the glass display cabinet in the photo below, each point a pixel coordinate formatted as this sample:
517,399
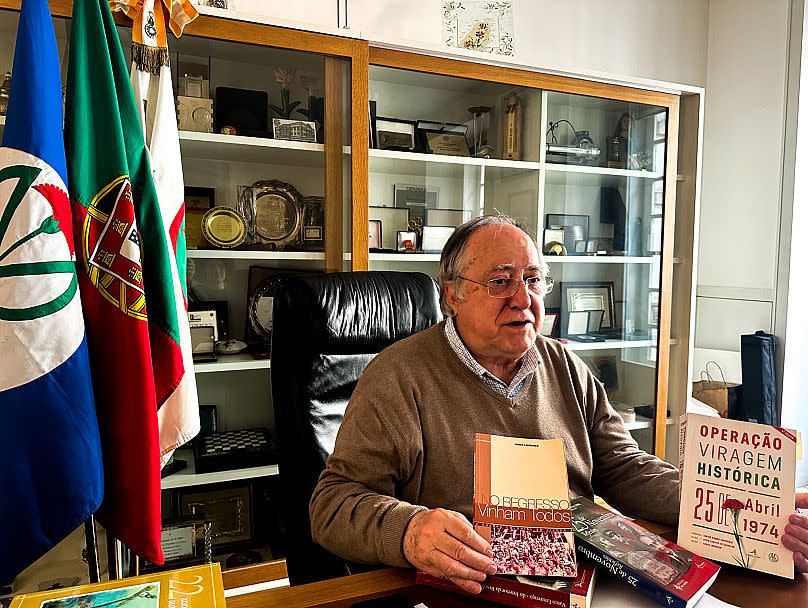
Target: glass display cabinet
582,167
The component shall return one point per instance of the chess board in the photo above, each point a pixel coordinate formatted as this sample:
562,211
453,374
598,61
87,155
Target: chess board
226,450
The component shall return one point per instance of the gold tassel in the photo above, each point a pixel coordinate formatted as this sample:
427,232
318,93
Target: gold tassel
149,58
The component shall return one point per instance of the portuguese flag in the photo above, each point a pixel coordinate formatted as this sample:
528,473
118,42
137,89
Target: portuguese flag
125,276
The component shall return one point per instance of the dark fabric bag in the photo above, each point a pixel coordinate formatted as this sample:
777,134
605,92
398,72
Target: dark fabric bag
759,381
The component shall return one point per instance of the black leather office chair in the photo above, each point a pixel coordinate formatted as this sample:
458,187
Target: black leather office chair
325,330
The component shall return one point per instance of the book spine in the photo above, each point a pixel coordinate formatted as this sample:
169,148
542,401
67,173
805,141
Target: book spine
628,575
682,440
502,591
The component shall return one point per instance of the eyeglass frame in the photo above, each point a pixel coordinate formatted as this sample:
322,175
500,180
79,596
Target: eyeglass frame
548,282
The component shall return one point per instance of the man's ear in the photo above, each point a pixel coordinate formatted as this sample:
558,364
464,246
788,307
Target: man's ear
452,298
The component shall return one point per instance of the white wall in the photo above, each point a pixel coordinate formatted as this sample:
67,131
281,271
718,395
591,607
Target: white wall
791,322
747,63
652,39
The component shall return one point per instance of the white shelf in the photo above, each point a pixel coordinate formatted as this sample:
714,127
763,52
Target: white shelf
189,477
558,174
404,257
597,259
439,165
609,344
232,363
645,423
236,148
243,254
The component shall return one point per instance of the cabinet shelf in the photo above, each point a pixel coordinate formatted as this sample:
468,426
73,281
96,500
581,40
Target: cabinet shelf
232,363
237,148
644,423
189,477
439,165
610,344
583,175
597,259
243,254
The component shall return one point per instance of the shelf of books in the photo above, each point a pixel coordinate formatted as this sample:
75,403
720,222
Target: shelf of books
610,344
189,477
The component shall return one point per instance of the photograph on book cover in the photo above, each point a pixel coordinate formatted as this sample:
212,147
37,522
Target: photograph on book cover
134,596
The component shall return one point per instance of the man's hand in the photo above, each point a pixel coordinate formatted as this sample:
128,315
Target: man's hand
443,543
796,533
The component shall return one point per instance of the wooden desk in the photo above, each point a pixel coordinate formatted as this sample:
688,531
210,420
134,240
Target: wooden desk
739,587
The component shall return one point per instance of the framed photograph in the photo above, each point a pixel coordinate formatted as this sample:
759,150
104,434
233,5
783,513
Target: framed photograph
392,220
595,321
433,238
261,284
653,308
417,199
579,296
449,144
374,234
372,124
658,189
549,325
395,134
185,542
198,198
577,322
444,217
229,511
405,241
553,235
294,130
575,227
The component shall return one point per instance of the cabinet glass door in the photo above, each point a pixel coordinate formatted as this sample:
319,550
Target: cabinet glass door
602,221
443,150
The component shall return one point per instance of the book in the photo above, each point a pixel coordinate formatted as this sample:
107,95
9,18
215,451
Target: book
524,515
737,491
529,591
659,569
195,587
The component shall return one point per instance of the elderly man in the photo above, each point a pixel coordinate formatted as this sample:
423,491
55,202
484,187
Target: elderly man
398,488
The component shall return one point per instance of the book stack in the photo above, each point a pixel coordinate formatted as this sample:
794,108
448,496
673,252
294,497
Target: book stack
659,569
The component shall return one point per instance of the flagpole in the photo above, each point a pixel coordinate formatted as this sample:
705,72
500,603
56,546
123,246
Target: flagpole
92,549
113,561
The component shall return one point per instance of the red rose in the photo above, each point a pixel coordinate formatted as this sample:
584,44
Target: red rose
732,504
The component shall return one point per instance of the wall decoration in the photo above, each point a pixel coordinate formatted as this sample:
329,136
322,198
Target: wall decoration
479,25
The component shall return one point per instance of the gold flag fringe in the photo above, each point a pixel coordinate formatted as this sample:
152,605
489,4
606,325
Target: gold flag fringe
149,58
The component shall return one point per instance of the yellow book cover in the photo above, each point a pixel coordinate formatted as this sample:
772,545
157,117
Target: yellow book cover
195,587
522,504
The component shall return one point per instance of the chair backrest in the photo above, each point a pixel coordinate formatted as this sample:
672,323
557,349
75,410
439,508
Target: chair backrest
325,330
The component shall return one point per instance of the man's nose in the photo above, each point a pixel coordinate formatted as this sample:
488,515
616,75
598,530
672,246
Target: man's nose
521,298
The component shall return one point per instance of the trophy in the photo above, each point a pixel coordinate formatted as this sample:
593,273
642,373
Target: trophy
481,149
511,129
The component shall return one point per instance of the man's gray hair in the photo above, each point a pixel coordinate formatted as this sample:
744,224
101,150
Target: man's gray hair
453,254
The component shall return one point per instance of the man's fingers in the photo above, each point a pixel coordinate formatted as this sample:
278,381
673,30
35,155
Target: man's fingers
453,569
464,554
466,585
797,528
801,500
801,562
459,527
794,544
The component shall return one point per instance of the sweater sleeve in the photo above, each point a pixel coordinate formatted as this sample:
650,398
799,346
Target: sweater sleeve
633,481
353,510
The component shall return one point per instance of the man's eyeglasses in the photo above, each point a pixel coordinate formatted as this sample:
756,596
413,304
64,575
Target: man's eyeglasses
505,288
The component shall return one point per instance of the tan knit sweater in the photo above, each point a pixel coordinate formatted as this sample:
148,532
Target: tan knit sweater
407,443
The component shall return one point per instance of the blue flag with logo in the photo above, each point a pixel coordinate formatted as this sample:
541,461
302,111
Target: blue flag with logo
51,476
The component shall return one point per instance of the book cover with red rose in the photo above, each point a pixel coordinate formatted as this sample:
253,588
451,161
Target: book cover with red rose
663,571
522,505
530,591
737,491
